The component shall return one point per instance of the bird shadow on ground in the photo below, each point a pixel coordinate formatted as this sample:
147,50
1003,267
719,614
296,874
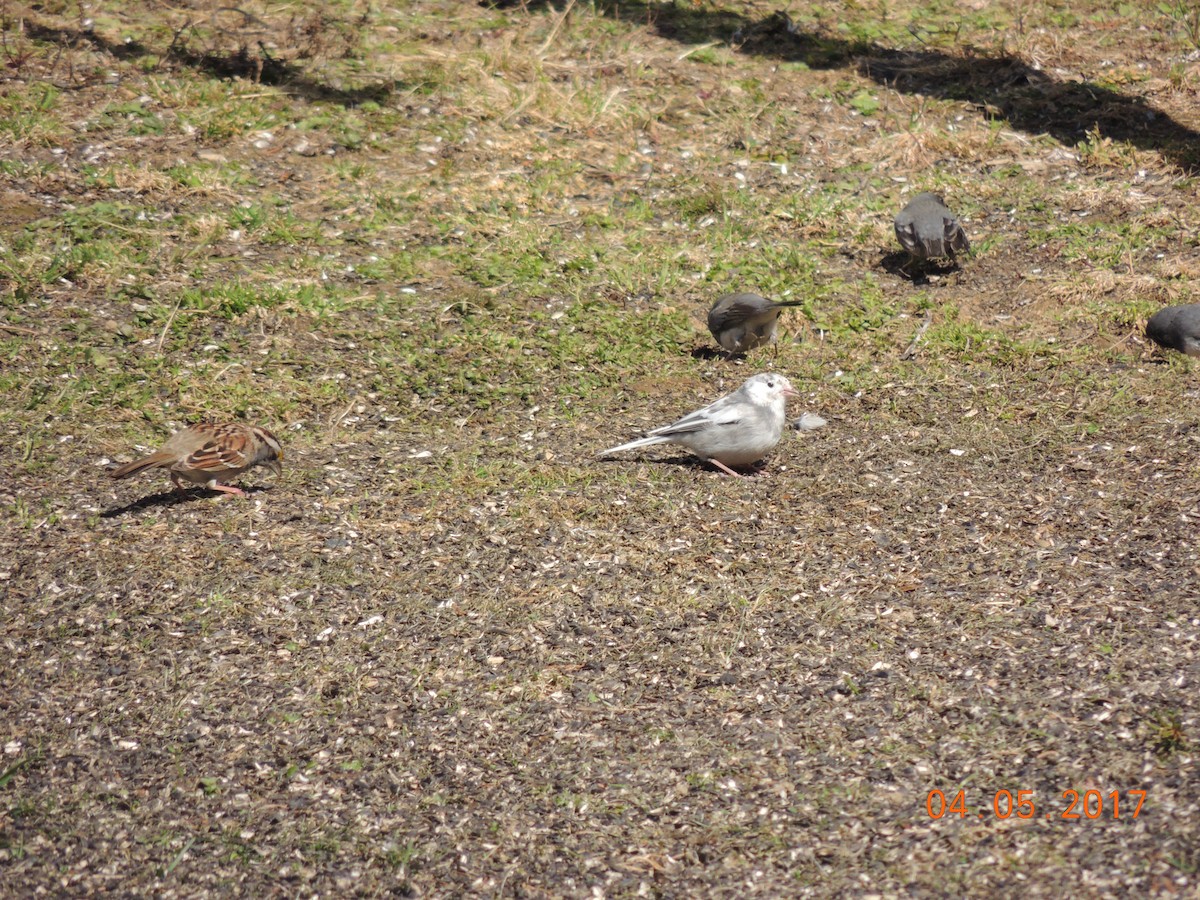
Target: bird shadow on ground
693,463
167,499
1003,87
900,264
710,353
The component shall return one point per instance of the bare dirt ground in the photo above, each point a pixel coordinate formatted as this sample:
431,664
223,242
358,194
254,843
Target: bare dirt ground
449,252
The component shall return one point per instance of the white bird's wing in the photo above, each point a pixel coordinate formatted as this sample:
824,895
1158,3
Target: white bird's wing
727,411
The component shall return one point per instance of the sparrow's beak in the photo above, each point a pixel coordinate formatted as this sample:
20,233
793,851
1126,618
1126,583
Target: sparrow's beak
791,392
275,467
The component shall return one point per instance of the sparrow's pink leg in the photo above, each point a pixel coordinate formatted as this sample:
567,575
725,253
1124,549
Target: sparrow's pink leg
226,489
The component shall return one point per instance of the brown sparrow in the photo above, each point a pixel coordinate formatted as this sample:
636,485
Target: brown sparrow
203,453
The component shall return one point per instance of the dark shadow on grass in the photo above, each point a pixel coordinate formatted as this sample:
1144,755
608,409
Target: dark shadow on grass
917,271
709,353
1002,87
70,37
254,65
167,499
261,68
688,462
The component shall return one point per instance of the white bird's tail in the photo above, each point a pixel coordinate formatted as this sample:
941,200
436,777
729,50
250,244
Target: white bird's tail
633,445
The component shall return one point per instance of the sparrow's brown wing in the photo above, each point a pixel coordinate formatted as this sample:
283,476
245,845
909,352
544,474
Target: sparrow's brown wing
216,457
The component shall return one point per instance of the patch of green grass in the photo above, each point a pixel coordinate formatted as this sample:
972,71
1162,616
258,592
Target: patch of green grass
402,856
227,301
1185,19
27,115
219,111
708,202
130,117
1167,734
1104,243
963,339
709,56
11,771
865,103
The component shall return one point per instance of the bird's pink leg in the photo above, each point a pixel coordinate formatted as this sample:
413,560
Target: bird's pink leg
225,489
724,468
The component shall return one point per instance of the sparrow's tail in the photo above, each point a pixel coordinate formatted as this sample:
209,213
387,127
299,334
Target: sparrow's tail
153,461
633,445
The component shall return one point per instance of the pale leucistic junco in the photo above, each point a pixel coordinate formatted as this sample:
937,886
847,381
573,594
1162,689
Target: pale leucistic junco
1176,328
741,322
928,230
735,431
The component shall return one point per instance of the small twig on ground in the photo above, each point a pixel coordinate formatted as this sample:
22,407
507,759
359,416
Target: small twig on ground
912,348
166,327
518,109
247,18
179,856
685,54
337,420
562,17
177,34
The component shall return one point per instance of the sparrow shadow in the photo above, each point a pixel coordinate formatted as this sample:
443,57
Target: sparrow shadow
167,499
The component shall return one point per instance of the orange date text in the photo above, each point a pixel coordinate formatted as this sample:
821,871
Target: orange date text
1089,804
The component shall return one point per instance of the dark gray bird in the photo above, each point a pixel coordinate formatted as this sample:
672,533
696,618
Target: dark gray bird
741,322
1176,328
928,230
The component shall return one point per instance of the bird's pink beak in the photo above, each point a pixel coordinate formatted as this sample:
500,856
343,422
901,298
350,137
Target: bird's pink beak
790,392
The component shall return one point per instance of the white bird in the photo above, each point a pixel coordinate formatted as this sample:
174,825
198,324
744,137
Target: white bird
741,322
737,430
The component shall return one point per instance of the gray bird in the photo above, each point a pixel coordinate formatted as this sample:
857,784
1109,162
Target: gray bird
1176,328
928,230
737,430
741,322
